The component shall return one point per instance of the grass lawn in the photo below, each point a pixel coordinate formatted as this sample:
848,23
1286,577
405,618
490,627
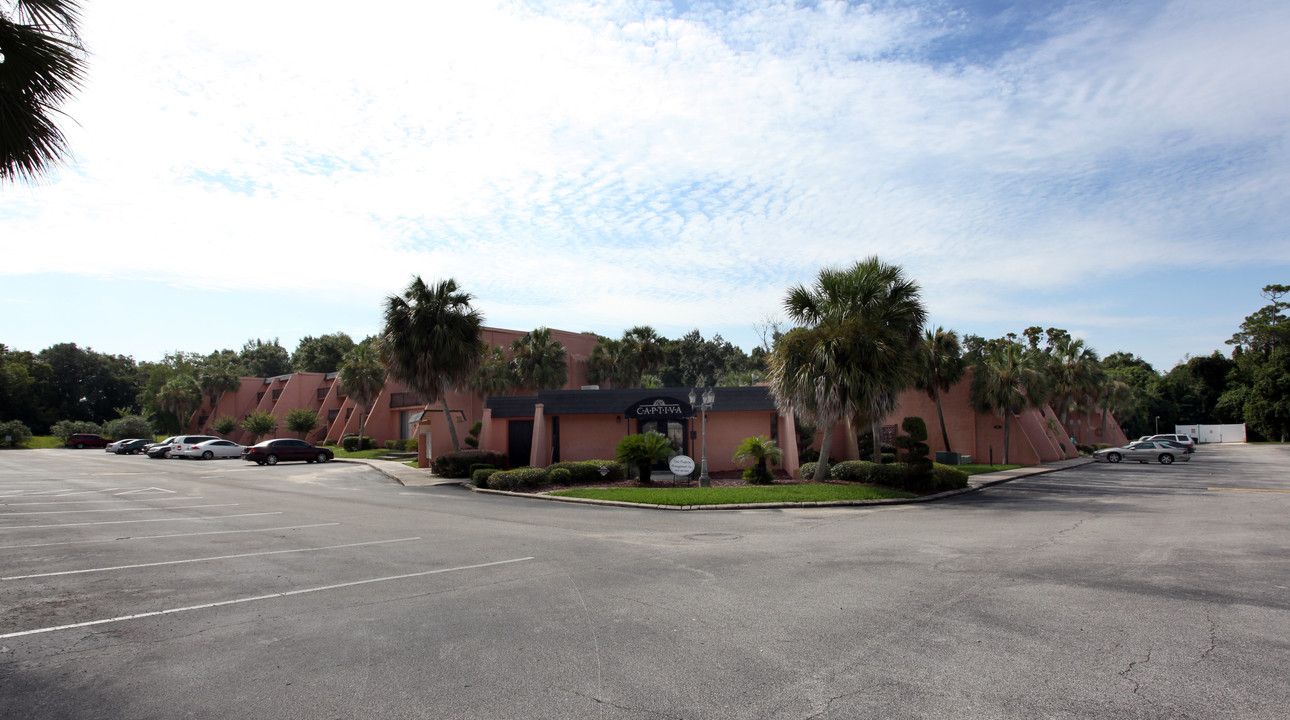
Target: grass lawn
43,441
978,468
364,454
734,495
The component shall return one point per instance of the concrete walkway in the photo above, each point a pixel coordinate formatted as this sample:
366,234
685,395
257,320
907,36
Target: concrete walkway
417,477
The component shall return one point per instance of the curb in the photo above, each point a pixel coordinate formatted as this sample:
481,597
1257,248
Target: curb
972,487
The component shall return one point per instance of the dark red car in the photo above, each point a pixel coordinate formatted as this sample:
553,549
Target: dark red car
84,440
271,452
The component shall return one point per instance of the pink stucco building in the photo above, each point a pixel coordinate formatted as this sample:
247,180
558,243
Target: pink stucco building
585,423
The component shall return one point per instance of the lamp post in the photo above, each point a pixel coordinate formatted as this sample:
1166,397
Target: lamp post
704,404
1157,425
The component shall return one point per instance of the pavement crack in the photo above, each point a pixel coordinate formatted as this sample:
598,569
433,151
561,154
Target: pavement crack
1213,638
1130,668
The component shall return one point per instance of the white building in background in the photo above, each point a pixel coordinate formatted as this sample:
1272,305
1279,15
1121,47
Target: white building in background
1213,433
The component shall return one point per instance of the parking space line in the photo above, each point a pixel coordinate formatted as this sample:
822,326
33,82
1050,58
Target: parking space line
88,502
271,596
205,559
172,535
135,508
1249,490
127,522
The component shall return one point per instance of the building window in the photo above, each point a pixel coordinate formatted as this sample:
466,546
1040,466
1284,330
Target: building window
403,399
277,394
259,396
349,411
322,393
332,414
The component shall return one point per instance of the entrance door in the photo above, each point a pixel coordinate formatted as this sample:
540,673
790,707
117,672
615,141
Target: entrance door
519,442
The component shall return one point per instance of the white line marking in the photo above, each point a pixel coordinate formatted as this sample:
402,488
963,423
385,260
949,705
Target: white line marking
172,535
136,509
270,596
149,489
126,522
88,502
205,559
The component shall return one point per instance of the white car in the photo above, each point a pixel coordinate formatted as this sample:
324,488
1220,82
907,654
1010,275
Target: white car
1144,452
209,450
116,444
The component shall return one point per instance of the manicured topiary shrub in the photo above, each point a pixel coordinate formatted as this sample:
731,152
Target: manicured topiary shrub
948,477
479,478
354,446
559,476
807,470
890,475
517,479
457,464
587,472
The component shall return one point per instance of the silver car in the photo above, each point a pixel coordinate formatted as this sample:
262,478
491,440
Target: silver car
1143,452
210,449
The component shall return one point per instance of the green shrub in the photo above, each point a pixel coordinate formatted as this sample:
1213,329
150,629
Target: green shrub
366,444
472,437
587,472
559,476
807,470
480,476
948,477
642,450
259,424
410,445
856,471
481,466
457,464
64,429
16,432
890,475
329,443
889,458
224,425
758,475
350,443
519,478
130,426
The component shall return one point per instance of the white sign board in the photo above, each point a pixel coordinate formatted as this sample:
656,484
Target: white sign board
681,465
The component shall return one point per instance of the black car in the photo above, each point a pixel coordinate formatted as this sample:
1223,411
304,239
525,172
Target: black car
132,447
270,452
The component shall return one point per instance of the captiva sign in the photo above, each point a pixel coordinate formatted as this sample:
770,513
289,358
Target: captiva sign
659,408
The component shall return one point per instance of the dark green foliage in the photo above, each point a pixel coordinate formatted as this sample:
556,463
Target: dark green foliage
260,423
14,433
351,443
303,421
481,466
517,479
479,477
396,445
130,426
559,476
856,471
947,477
758,475
322,354
265,359
224,425
642,450
587,472
64,429
807,470
457,464
472,437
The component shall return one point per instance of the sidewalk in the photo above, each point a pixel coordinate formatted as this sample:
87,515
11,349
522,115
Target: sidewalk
402,474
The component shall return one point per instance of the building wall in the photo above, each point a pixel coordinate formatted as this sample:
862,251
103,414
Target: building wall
590,437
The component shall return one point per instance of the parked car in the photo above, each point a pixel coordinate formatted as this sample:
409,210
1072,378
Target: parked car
112,446
1186,440
84,440
132,447
152,445
270,452
184,443
161,450
1143,452
212,449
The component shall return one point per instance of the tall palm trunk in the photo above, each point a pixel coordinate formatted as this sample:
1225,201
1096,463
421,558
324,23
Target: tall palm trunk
1007,433
452,427
876,431
822,467
940,414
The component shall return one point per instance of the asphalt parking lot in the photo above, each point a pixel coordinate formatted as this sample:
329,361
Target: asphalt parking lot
132,588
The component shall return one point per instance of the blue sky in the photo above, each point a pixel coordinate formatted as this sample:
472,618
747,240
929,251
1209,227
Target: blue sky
1116,169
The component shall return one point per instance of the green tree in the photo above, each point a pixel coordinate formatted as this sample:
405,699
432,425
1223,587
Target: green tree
610,364
259,424
14,433
760,450
216,376
322,354
856,351
432,342
224,425
1006,380
86,385
42,63
361,378
643,450
940,366
265,359
302,421
128,426
179,396
539,362
495,375
645,347
1117,398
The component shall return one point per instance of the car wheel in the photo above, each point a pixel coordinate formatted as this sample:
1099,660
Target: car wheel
208,455
259,462
1113,457
1166,459
271,459
80,446
322,457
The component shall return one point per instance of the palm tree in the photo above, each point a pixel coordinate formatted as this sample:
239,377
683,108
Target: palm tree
940,366
1117,398
539,362
361,378
856,351
609,364
646,349
217,377
1004,381
432,341
494,376
43,62
761,450
178,396
1072,374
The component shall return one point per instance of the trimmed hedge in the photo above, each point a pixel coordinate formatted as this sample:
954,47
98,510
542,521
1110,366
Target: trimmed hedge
525,477
479,477
807,470
587,472
856,471
457,464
